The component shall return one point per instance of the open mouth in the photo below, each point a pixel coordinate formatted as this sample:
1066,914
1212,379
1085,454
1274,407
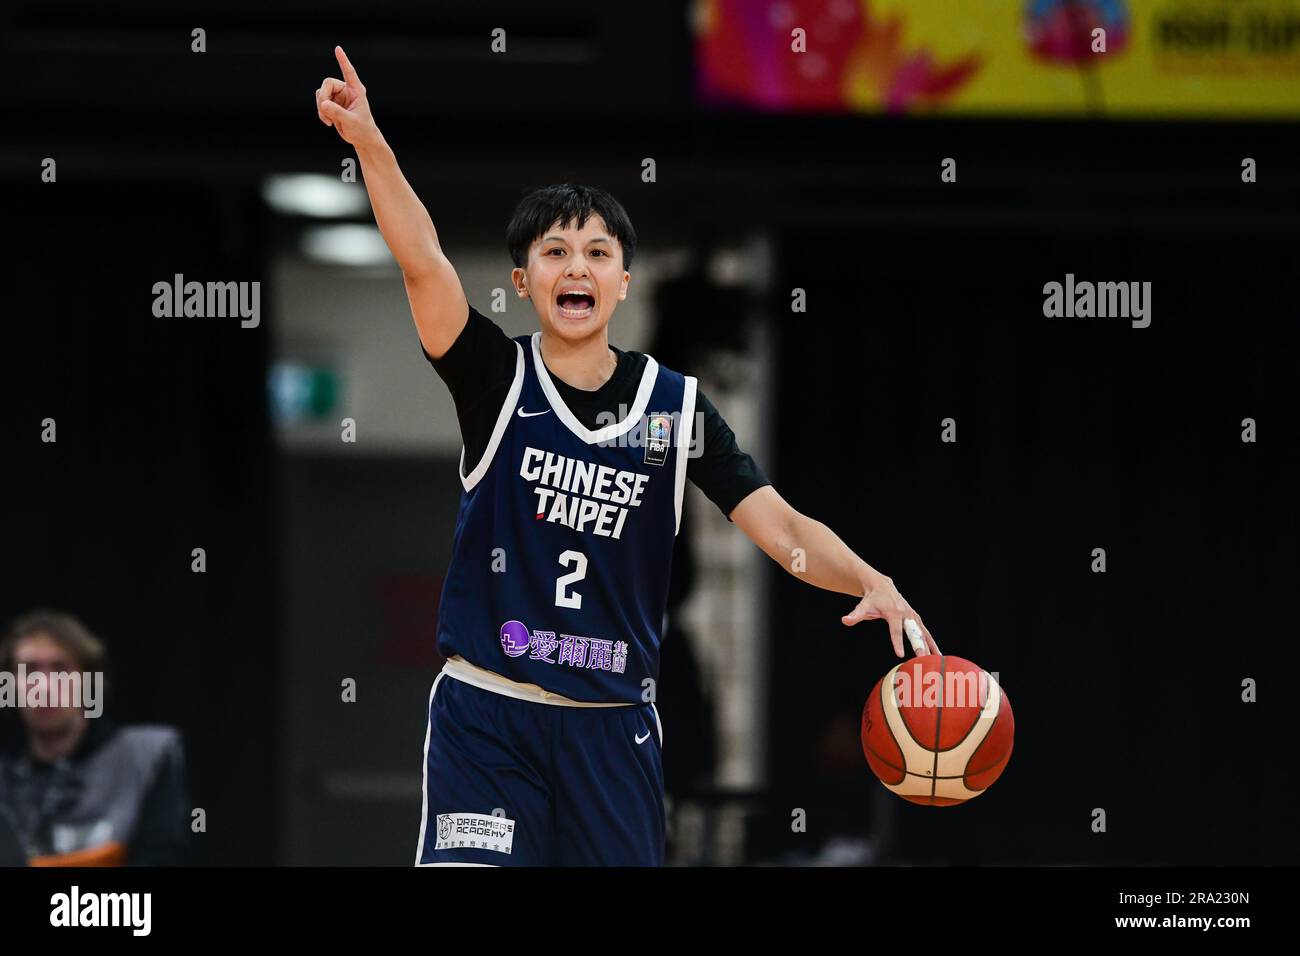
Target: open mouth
575,305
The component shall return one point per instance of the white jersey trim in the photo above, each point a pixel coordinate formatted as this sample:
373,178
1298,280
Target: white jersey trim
503,420
484,679
684,446
562,411
452,863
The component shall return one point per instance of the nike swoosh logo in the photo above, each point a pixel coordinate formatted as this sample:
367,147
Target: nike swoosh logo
523,414
640,739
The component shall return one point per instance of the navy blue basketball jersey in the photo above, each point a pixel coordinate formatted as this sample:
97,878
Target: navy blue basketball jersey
564,539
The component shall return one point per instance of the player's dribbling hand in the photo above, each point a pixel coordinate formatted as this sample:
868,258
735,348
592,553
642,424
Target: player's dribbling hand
343,104
882,600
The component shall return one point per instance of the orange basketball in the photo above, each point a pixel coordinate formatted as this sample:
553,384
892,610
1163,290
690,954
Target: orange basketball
937,730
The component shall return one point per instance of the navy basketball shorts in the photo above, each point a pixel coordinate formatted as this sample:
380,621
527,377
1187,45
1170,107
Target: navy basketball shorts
510,782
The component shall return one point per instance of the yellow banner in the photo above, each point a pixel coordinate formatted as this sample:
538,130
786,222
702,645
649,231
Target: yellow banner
1222,58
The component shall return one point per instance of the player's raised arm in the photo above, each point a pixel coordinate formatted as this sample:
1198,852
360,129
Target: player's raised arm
437,300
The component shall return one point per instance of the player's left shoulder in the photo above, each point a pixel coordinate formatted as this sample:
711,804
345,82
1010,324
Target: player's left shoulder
639,361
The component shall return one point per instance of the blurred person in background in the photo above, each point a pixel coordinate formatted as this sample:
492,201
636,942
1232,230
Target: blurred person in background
80,790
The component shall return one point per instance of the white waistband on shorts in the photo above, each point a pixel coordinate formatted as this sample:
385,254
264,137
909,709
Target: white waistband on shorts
461,669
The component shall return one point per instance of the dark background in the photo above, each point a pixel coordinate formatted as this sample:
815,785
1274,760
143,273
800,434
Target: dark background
925,302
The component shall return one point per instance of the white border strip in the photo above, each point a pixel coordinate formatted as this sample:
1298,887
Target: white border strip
467,673
503,419
453,863
609,431
684,446
424,771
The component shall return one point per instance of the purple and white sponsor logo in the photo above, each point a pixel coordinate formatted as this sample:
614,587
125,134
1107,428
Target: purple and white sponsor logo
588,653
515,639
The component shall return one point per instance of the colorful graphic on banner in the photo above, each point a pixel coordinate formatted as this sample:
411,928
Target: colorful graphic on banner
1222,58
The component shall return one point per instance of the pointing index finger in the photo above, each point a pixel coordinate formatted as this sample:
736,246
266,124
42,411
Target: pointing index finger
349,73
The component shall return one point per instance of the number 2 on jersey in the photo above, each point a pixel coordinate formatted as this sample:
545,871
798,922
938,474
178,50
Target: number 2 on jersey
579,561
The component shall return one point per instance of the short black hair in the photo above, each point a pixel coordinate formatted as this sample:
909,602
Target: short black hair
564,203
65,629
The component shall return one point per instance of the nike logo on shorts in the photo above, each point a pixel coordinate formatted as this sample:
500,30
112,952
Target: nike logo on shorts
640,739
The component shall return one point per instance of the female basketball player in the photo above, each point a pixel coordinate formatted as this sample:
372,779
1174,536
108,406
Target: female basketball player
574,464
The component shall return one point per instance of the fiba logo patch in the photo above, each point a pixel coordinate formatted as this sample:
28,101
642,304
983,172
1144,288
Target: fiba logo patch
515,639
658,430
